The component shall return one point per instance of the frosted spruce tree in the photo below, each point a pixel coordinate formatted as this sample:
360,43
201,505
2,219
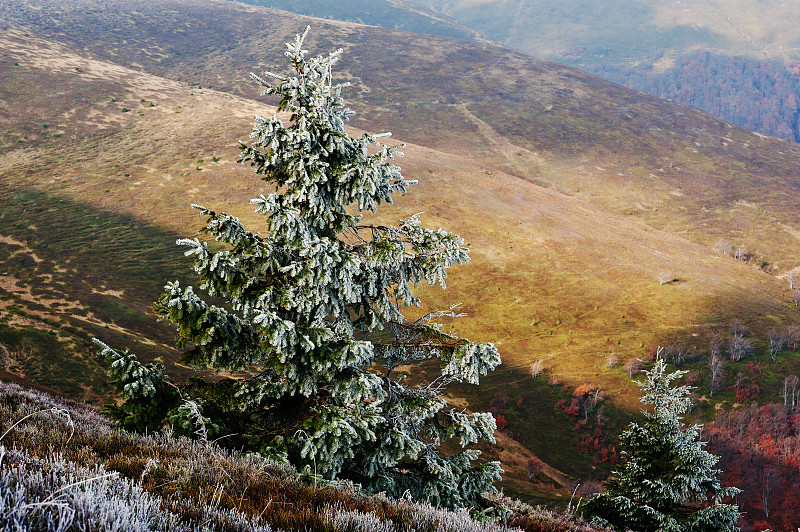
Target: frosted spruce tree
312,320
667,482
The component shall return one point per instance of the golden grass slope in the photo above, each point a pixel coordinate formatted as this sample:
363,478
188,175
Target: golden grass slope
553,277
669,165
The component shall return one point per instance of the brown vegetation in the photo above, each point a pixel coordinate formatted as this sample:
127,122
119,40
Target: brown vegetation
203,484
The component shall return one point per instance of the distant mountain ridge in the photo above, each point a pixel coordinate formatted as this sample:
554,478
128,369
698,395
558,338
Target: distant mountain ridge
396,14
652,45
646,45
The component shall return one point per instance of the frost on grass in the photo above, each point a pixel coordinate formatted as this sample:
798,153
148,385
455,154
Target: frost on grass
100,477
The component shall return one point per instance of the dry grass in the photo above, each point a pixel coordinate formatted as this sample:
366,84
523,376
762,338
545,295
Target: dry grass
565,272
552,276
70,466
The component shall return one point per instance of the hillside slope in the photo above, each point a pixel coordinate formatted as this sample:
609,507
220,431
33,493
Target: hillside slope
574,195
673,167
553,276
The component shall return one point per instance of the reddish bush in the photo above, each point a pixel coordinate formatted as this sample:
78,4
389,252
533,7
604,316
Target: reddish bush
574,408
535,466
501,422
607,454
591,443
754,369
582,391
745,391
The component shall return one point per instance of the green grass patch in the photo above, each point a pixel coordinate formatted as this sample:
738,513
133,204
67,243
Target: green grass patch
111,265
40,356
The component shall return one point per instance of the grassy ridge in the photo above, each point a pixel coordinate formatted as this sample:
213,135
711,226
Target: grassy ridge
669,165
567,275
400,15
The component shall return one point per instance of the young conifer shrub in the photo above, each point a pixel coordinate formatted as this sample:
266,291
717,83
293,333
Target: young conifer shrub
312,314
667,480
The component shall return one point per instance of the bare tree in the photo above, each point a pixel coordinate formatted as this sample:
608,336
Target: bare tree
715,346
679,355
537,368
739,328
796,298
665,352
717,366
742,254
591,402
740,347
791,337
724,246
794,278
633,366
776,343
674,353
599,415
612,360
790,391
767,475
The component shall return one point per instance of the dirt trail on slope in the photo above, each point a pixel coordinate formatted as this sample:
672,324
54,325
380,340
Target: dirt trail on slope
518,157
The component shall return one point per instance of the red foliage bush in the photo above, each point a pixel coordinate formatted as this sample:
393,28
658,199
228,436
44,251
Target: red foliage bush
607,454
535,466
746,391
582,391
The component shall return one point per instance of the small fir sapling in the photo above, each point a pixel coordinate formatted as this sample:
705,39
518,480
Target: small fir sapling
311,316
667,480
